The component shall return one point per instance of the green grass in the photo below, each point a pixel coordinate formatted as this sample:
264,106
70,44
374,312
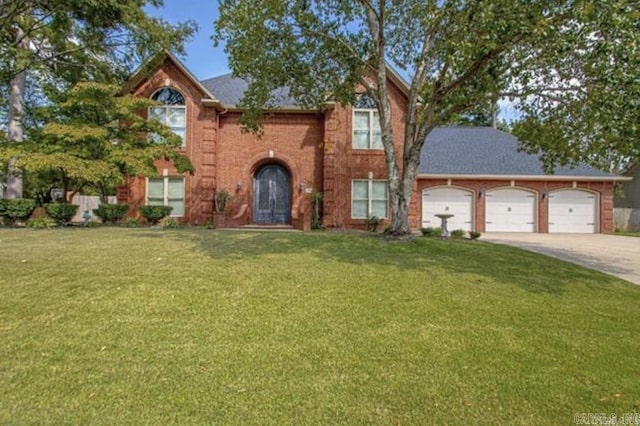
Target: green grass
628,234
121,326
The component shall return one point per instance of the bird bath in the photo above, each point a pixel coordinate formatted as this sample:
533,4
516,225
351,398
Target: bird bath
443,227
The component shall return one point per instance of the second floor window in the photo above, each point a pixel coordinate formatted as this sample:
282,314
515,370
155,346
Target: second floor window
366,124
173,111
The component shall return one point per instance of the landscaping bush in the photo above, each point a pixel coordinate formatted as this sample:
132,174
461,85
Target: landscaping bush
16,209
61,213
431,231
171,223
458,233
372,223
40,223
154,214
131,222
111,213
209,224
316,209
474,235
223,200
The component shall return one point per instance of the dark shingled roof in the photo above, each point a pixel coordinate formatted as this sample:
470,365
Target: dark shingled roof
485,151
229,90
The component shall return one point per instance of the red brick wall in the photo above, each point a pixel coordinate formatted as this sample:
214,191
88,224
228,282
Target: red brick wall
343,163
200,146
604,190
292,140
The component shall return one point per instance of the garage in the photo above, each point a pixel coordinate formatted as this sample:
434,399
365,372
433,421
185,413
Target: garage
573,211
455,201
510,210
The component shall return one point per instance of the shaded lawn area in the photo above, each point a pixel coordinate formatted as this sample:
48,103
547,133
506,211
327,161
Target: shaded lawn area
114,326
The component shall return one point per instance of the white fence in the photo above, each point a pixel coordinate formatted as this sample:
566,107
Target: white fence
87,202
626,219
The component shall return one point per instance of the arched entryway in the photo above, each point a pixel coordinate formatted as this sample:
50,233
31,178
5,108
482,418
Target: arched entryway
272,195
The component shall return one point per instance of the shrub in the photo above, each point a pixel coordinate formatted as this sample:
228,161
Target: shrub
209,224
171,223
474,235
431,231
111,213
316,209
372,223
61,213
154,214
223,199
16,209
40,223
458,233
131,222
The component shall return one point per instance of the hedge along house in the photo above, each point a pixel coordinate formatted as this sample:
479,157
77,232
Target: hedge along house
477,174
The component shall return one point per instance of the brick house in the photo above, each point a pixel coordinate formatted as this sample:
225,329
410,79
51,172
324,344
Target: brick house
477,174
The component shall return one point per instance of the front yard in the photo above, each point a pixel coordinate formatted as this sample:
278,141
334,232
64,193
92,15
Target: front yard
114,326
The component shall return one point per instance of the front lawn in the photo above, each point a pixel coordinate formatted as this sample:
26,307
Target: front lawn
120,326
628,234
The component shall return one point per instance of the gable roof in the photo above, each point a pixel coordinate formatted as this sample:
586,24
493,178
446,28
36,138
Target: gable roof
146,69
472,152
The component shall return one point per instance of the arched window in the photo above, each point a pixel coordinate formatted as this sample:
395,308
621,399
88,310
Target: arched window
366,124
173,111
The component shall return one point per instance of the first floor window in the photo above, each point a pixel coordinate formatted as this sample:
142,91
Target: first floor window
368,199
166,191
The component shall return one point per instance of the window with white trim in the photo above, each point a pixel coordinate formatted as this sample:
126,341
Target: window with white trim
166,191
366,124
173,112
369,198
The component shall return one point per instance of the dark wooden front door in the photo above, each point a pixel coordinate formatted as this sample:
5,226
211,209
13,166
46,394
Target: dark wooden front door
272,195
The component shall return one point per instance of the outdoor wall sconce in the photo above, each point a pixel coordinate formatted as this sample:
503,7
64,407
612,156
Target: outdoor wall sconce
480,194
544,194
301,187
238,186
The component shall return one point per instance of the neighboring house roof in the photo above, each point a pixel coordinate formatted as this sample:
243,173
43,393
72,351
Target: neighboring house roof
230,90
484,151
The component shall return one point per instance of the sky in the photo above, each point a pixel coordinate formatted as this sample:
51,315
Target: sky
202,59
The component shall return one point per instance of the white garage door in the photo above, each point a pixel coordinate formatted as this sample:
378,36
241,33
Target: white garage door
455,201
572,211
510,210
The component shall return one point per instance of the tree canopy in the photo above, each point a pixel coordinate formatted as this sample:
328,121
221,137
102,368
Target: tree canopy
93,137
556,59
47,46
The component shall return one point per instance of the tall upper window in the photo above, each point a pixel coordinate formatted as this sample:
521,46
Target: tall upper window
173,111
366,124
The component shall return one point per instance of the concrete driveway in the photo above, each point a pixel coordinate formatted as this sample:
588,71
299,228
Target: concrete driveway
611,254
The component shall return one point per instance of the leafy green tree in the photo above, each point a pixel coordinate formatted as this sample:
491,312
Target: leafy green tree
460,55
94,137
61,42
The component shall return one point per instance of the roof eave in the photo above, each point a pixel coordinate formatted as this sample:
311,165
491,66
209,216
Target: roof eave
289,109
525,177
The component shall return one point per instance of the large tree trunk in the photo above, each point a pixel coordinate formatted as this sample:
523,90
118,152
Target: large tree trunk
16,132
